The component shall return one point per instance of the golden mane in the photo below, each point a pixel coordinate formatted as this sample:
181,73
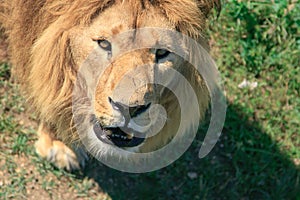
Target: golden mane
38,36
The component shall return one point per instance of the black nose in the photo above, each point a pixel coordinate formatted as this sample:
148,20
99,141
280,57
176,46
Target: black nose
132,111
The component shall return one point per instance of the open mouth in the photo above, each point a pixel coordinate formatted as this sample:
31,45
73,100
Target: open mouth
119,136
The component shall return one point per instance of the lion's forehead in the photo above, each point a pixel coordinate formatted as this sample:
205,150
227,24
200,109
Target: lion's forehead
111,24
125,17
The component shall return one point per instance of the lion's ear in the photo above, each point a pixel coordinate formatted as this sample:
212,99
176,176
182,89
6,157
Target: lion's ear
207,5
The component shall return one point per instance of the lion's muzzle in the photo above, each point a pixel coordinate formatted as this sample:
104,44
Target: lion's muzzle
128,134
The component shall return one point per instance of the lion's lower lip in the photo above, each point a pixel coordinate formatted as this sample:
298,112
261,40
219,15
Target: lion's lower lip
116,136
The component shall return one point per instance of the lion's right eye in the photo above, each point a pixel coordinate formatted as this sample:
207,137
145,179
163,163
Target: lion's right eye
161,53
104,44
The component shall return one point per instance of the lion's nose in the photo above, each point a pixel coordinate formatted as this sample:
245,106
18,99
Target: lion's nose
129,111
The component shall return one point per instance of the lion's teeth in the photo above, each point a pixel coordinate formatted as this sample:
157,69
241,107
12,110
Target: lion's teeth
108,133
122,136
129,136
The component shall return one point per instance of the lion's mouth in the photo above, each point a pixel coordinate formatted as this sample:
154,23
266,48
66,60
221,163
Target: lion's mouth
119,136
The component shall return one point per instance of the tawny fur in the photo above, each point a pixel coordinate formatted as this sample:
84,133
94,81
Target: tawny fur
39,45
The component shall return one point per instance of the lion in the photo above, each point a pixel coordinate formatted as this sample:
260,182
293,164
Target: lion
50,40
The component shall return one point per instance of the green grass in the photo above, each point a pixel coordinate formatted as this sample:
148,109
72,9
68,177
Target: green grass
257,156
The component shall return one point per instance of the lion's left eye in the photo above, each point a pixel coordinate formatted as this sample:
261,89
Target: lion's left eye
161,53
104,44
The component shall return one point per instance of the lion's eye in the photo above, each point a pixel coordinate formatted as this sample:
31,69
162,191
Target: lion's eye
104,44
161,53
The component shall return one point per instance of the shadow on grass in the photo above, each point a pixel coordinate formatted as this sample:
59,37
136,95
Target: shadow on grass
245,164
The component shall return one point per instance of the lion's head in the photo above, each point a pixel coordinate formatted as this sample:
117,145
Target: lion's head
65,36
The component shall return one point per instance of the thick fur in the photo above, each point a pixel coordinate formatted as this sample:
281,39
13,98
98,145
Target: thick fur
38,33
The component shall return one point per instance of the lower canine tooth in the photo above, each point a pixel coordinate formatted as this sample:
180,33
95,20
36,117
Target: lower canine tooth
108,133
129,136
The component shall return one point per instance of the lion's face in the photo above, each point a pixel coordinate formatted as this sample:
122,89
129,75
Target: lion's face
127,116
122,117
